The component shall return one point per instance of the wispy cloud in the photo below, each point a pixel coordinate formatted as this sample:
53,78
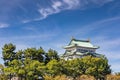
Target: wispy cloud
93,26
4,25
57,6
41,37
23,42
109,47
41,12
97,32
26,21
107,20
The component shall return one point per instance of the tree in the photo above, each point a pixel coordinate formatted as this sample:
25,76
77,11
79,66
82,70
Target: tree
33,63
19,55
33,69
2,74
41,55
52,54
35,54
1,69
8,53
97,67
30,53
72,68
53,67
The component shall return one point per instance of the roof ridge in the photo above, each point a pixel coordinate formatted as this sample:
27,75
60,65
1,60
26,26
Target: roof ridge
81,40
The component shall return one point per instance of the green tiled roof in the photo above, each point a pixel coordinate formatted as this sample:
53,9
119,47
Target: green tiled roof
81,43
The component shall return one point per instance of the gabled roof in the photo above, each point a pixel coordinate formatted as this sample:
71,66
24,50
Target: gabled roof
80,43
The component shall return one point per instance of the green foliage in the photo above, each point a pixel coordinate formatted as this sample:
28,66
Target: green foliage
2,74
21,71
97,67
53,67
33,63
72,68
30,53
52,54
33,68
40,53
1,69
8,53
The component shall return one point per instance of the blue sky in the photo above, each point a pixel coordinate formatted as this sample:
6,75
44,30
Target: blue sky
52,23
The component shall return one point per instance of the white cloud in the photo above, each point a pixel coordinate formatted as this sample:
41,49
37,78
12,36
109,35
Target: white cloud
106,41
107,20
46,12
91,27
23,42
100,2
71,4
26,21
41,37
4,25
109,47
57,6
109,42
